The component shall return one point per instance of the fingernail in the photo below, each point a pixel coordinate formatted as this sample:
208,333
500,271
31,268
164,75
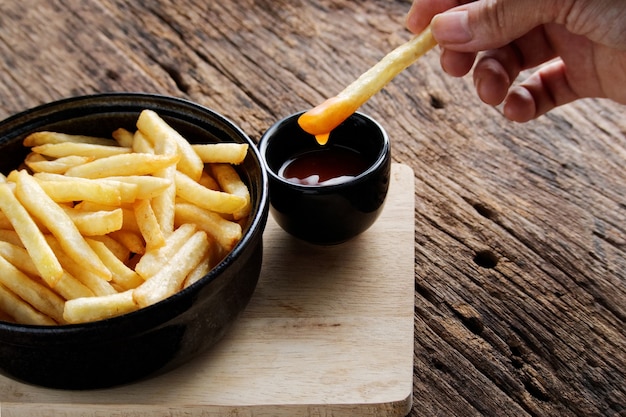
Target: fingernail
452,27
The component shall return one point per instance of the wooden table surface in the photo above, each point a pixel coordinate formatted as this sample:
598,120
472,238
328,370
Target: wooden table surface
520,229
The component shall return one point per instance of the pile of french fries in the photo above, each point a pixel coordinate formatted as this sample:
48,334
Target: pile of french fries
92,228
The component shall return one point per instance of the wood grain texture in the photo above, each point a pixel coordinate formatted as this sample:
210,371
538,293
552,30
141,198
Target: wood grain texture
520,237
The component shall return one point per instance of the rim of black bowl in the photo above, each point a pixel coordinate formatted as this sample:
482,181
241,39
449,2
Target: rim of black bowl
363,176
134,102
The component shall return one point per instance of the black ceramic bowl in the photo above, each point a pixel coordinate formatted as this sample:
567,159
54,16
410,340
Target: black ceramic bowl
327,213
157,338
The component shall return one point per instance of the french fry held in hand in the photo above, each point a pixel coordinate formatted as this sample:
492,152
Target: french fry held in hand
322,119
97,227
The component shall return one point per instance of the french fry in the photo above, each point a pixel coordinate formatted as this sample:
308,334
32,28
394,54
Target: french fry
20,310
208,181
44,137
199,271
40,297
125,164
37,163
163,204
321,120
123,137
120,251
130,240
152,261
148,224
66,191
5,223
141,144
10,236
110,191
67,286
122,276
225,232
88,309
170,278
97,284
19,257
60,150
96,223
230,182
157,130
129,222
30,235
217,201
37,202
226,153
147,186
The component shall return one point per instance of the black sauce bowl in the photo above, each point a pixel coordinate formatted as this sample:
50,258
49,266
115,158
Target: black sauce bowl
160,337
334,213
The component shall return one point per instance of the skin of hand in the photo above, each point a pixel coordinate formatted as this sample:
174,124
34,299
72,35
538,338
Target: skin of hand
577,46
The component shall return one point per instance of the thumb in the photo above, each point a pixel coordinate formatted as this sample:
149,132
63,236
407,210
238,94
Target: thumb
482,25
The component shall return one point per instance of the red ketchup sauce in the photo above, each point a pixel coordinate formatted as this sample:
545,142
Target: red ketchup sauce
324,166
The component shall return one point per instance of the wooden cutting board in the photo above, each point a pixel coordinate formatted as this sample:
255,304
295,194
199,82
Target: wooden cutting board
329,331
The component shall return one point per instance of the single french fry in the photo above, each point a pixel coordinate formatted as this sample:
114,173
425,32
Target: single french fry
228,153
10,236
123,137
30,235
96,223
217,201
58,166
37,202
148,224
129,222
63,149
21,311
141,144
130,240
40,297
125,164
208,181
163,204
170,278
157,130
322,119
230,181
122,276
19,257
199,271
5,223
44,137
69,287
153,260
226,233
110,190
89,309
68,191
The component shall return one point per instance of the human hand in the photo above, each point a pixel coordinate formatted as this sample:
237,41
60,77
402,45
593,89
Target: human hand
581,42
